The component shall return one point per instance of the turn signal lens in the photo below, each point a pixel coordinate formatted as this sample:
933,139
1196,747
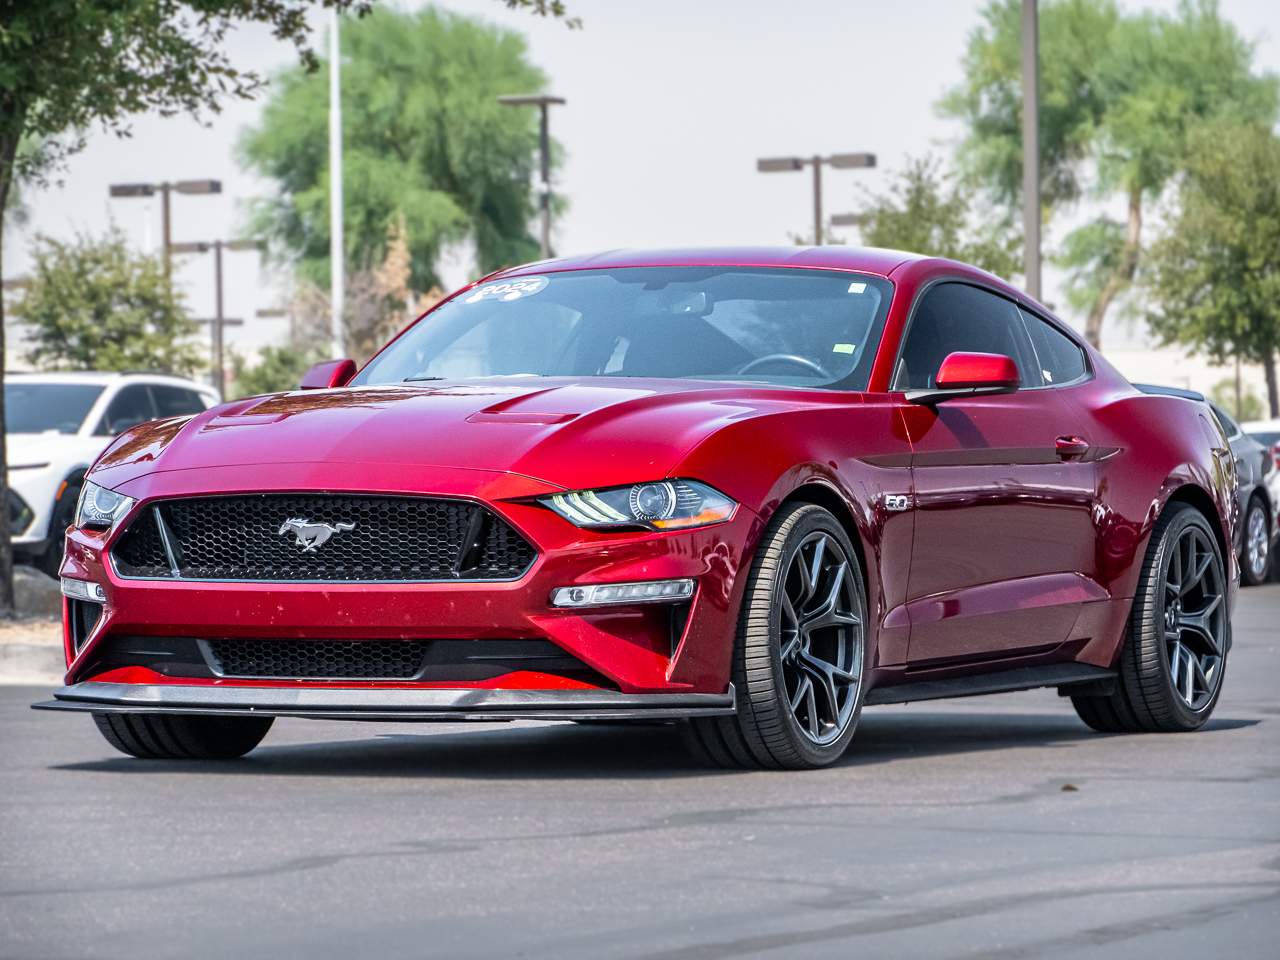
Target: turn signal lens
83,590
658,505
603,594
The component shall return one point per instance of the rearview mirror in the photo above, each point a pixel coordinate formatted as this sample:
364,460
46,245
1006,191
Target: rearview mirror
328,373
970,375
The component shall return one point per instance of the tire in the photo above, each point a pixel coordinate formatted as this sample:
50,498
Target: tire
1255,555
50,561
1146,698
824,644
164,736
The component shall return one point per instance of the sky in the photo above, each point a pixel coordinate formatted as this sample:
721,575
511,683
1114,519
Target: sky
669,105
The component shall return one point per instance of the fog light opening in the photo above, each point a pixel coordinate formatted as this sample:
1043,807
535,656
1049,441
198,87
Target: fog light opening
604,594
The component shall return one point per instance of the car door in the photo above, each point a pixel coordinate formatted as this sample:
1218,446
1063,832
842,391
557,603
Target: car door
171,401
129,407
1002,493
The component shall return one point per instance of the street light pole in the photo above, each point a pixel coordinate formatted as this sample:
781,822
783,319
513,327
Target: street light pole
219,322
1031,145
165,189
543,102
839,161
337,258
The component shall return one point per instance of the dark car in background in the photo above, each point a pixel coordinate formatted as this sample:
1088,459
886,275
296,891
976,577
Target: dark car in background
1256,473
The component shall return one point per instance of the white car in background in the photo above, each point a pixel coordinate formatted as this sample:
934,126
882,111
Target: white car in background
57,425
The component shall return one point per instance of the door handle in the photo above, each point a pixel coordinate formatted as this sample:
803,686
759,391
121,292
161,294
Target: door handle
1071,448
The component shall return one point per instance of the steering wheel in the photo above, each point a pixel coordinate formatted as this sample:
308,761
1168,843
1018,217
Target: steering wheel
791,358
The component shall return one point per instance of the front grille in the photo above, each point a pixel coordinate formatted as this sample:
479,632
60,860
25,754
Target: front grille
319,659
321,537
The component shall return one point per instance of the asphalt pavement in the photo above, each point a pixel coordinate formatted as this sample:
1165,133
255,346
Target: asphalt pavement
995,827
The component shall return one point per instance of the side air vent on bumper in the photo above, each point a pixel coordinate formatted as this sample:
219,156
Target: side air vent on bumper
321,537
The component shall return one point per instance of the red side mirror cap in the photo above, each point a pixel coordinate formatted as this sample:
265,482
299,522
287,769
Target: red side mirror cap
328,373
976,371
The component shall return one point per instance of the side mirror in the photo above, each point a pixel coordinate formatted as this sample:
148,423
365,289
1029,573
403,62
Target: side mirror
970,375
328,373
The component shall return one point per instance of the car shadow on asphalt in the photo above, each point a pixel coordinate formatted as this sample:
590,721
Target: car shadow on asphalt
568,751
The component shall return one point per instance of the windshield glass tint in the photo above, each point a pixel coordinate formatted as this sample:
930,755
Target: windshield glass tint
785,326
41,407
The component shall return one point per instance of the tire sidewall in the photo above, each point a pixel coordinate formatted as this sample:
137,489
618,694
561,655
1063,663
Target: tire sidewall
1154,607
814,519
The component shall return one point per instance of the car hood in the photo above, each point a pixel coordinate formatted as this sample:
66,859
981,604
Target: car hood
571,433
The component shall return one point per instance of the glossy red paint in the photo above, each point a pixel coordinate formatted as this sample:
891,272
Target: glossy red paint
964,370
1017,551
328,373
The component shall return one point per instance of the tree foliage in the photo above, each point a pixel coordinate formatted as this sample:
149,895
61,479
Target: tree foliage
92,304
1213,281
1121,94
66,65
926,211
423,138
277,369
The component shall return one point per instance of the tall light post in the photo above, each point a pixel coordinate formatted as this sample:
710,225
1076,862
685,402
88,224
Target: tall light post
543,102
219,321
838,161
165,189
1031,145
337,257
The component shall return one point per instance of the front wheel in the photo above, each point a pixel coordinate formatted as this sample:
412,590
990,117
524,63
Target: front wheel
167,736
1175,650
799,652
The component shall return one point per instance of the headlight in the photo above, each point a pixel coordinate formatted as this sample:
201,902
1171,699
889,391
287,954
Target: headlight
660,505
99,507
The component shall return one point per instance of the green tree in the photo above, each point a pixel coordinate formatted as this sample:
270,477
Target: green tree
1213,281
95,305
1120,94
424,139
1224,395
66,65
927,212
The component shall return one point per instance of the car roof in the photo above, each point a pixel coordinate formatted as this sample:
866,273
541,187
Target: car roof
863,259
103,378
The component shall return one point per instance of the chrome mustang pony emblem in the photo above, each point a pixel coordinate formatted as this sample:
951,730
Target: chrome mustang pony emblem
312,536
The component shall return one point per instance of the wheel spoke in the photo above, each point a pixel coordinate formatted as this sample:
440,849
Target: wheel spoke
790,649
814,574
811,707
804,687
1198,624
1197,573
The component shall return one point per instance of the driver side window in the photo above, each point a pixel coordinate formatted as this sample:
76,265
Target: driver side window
955,317
128,408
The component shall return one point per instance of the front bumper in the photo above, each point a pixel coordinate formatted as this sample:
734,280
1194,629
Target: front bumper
387,704
634,648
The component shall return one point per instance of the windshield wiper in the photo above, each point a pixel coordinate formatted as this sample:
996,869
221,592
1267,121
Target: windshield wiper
420,379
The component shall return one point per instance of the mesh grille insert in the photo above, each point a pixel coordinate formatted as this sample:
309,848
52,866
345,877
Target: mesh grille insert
323,659
323,537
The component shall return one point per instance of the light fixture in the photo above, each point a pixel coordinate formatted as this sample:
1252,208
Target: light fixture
607,594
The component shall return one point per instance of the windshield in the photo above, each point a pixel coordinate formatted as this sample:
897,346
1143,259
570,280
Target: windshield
44,407
796,327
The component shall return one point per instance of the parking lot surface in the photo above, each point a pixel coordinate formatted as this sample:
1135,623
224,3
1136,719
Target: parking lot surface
989,827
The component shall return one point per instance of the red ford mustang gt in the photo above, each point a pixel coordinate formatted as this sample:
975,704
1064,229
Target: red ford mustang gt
749,491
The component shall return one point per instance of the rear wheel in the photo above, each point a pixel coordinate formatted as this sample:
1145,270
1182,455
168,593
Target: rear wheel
1175,652
1256,555
163,736
799,652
